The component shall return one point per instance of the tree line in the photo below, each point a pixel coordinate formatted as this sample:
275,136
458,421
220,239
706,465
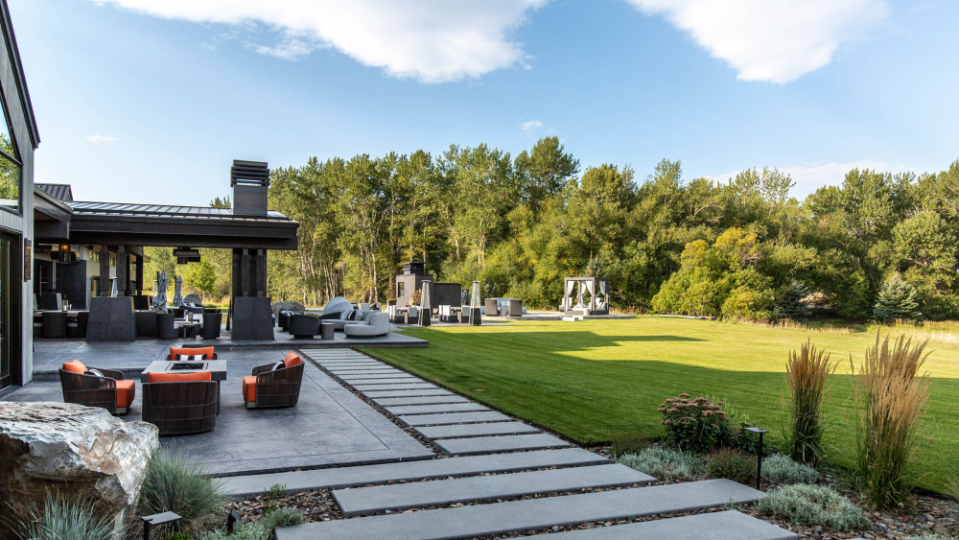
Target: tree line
519,225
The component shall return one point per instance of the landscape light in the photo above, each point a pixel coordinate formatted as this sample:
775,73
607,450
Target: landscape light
759,453
157,519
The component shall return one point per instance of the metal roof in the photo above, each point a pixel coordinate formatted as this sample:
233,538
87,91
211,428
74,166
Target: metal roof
88,208
62,192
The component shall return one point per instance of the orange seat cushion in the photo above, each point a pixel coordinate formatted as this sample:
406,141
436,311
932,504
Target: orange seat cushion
292,360
126,391
75,366
179,377
249,388
207,352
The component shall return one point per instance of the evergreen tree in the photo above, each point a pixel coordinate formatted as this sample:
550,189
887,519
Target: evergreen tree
896,301
792,304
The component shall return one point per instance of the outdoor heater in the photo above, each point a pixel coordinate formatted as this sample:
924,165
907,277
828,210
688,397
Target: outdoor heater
426,310
475,318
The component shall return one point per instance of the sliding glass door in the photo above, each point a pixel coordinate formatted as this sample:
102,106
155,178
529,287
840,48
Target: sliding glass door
9,308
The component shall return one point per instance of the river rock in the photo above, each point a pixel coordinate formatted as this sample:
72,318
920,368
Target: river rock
74,450
288,306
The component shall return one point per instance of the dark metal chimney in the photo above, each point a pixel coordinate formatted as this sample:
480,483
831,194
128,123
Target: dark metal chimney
250,181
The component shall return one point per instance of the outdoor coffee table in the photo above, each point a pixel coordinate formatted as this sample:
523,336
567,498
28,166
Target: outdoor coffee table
188,329
326,330
217,369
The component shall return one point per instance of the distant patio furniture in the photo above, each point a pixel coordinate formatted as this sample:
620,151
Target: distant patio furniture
146,324
274,385
404,314
109,391
54,324
364,306
187,329
445,313
304,326
181,405
515,307
378,324
166,328
326,330
73,327
211,325
50,302
179,313
585,296
492,307
348,317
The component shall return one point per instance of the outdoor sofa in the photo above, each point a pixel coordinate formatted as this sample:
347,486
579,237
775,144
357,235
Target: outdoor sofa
377,324
96,387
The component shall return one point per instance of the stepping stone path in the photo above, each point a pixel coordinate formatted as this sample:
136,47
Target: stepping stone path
494,461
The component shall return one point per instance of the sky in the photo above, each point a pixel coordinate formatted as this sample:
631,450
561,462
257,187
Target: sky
149,101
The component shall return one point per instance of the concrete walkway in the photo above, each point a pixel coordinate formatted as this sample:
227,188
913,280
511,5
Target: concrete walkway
495,460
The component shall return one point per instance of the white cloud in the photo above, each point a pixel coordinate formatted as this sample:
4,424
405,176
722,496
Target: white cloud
770,40
810,177
424,39
531,125
101,139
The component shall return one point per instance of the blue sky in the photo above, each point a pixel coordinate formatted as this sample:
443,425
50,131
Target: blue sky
145,101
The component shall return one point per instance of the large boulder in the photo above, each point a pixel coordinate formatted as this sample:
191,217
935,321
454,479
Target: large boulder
74,450
288,306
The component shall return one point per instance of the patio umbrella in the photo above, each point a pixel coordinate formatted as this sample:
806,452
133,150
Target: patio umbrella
177,293
113,287
159,297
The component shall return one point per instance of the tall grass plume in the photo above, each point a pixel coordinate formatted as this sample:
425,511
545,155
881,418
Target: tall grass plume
891,397
806,373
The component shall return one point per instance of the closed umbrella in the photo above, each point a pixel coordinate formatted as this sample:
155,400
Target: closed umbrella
177,291
159,297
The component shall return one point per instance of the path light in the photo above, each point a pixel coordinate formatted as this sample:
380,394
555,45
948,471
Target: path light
231,519
475,319
759,453
157,519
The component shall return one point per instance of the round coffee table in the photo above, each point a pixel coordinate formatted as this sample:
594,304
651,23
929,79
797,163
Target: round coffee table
326,330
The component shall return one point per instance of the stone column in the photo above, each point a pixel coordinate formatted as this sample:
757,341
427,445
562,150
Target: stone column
122,271
139,274
104,270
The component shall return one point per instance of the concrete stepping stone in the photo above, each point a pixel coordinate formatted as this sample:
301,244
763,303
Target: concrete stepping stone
242,487
486,445
407,393
355,377
453,418
366,370
500,518
391,380
475,430
423,400
483,488
352,365
729,525
431,409
407,386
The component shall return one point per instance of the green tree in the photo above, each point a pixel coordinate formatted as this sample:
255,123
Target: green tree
202,277
896,301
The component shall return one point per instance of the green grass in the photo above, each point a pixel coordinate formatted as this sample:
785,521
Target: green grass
595,381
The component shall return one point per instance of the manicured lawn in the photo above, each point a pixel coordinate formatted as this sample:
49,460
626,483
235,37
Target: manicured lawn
597,380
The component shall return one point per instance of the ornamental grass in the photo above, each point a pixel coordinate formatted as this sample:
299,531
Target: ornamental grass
892,399
806,373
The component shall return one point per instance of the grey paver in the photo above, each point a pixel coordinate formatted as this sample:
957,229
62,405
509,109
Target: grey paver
408,393
475,430
408,386
431,409
452,418
392,380
498,518
729,525
365,500
423,400
484,445
365,371
245,486
333,365
355,377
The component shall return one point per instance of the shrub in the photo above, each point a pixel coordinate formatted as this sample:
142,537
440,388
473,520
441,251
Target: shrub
896,301
175,483
811,505
281,517
694,425
261,529
665,465
64,519
806,373
732,465
749,304
891,398
781,469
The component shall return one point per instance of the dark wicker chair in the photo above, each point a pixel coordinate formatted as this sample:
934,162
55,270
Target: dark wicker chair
180,408
276,388
304,326
83,319
146,324
166,329
91,390
211,325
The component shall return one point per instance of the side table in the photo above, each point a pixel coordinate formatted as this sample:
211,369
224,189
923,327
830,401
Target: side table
326,330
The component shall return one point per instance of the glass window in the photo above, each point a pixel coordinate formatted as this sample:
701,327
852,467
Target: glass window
9,166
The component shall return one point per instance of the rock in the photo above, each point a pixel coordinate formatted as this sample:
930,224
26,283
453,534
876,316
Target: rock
288,306
75,450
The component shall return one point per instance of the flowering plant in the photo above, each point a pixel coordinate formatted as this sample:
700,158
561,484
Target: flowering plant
694,425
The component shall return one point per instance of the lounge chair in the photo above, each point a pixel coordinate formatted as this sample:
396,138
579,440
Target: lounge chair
304,326
377,324
180,403
108,390
274,385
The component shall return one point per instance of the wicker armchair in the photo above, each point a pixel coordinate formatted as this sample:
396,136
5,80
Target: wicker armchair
268,387
180,408
110,392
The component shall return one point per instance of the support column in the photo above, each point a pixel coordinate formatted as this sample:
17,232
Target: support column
122,271
251,316
261,272
104,270
139,274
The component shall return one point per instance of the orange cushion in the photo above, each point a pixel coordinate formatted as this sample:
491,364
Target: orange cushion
179,377
74,366
292,360
207,352
126,391
249,388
